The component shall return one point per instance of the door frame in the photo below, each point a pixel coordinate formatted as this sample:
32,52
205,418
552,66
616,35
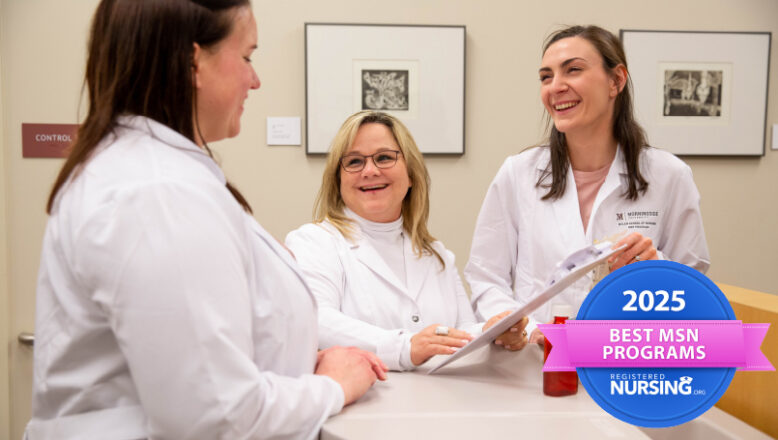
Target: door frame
5,321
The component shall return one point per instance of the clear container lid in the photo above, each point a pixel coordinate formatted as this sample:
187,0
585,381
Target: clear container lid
562,310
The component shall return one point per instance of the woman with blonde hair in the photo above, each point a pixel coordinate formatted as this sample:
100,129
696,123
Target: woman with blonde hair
382,282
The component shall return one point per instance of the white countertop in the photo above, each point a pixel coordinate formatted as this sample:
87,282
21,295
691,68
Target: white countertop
495,394
491,393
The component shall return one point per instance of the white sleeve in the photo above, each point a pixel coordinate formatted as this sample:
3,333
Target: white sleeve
168,265
683,237
494,249
316,252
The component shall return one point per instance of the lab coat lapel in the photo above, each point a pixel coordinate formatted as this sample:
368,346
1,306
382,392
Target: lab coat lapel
417,270
368,256
568,214
614,182
281,251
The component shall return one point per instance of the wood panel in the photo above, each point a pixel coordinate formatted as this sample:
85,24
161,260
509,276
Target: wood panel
753,395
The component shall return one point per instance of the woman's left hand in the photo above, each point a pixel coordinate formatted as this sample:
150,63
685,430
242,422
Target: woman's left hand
515,338
537,337
378,366
638,248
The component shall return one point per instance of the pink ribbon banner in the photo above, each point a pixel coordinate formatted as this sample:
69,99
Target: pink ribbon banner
662,344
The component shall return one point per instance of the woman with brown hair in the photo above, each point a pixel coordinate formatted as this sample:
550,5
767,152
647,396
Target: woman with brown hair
383,283
163,309
596,177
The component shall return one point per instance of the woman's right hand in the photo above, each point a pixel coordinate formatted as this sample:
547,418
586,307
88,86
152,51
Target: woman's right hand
354,369
426,343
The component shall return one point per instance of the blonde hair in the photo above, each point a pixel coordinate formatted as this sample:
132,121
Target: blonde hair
329,204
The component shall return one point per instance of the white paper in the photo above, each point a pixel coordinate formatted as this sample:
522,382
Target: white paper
775,136
283,130
576,265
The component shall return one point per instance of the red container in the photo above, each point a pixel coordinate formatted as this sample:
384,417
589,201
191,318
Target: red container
558,383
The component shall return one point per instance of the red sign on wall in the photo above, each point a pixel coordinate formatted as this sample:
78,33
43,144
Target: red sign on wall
47,140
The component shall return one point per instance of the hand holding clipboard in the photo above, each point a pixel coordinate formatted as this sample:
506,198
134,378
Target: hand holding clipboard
575,266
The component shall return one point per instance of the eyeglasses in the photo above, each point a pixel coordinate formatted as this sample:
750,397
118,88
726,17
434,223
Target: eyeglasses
354,163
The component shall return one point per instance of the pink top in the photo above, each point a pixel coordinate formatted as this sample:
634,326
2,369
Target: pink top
588,183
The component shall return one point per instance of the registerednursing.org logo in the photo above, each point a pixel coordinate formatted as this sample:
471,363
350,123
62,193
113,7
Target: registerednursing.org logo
650,385
656,344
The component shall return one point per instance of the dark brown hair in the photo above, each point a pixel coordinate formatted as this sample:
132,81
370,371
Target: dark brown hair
140,56
627,132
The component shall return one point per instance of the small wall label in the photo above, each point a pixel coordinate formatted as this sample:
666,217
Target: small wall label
47,140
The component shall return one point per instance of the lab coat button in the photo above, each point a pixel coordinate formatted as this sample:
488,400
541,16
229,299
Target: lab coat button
415,318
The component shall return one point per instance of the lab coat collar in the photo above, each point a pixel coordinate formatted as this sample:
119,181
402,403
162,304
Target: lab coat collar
415,268
173,139
618,166
571,226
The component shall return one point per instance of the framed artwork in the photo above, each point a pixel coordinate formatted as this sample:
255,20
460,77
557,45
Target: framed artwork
415,73
701,93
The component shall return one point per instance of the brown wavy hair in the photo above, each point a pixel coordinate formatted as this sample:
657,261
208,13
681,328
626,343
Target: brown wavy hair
329,204
627,132
140,56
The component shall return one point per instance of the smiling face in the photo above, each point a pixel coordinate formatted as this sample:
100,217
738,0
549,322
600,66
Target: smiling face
224,76
375,194
576,89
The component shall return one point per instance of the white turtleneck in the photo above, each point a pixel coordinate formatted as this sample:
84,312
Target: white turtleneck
387,239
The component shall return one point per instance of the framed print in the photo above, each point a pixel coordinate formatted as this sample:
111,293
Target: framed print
415,73
701,93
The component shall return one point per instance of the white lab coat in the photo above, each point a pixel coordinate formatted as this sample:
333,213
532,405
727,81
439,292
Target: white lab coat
363,303
519,238
165,311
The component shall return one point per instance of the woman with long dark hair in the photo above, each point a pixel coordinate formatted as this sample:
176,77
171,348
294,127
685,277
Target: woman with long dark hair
596,177
163,309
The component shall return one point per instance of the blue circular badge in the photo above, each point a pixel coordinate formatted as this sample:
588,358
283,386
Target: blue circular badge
656,397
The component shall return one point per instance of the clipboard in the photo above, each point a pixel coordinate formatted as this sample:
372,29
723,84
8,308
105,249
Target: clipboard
568,271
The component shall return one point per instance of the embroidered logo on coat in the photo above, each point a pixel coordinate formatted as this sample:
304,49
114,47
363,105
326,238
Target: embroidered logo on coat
637,219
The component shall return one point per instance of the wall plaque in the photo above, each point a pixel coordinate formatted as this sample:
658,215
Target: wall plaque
47,140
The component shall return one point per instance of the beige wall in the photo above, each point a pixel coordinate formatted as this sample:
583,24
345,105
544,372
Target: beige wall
5,423
42,67
43,45
504,38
